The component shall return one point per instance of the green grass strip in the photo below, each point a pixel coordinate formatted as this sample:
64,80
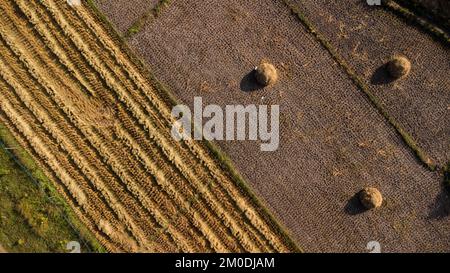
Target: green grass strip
33,215
221,158
407,138
154,12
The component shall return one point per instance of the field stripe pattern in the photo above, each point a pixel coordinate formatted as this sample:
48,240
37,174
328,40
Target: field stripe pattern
102,131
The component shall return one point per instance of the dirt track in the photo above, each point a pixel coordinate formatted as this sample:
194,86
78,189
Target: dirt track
102,131
333,141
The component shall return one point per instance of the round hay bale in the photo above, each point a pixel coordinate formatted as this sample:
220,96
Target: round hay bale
370,198
266,74
399,67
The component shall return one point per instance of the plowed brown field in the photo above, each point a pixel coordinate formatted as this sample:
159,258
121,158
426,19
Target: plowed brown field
367,37
101,129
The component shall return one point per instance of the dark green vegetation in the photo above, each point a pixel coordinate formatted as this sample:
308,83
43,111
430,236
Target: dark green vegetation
438,11
33,218
411,16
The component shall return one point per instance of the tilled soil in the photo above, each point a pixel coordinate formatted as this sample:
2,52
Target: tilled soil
367,37
333,141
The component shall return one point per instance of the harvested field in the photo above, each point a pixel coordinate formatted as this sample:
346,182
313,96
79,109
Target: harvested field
367,37
100,128
124,12
333,141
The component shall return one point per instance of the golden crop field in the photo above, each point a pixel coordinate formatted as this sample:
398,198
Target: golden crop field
100,128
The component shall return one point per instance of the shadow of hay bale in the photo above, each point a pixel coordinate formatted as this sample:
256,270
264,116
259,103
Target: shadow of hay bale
440,208
354,206
381,76
249,83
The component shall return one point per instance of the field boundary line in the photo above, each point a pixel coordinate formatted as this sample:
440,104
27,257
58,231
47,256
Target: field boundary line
151,13
410,142
217,155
